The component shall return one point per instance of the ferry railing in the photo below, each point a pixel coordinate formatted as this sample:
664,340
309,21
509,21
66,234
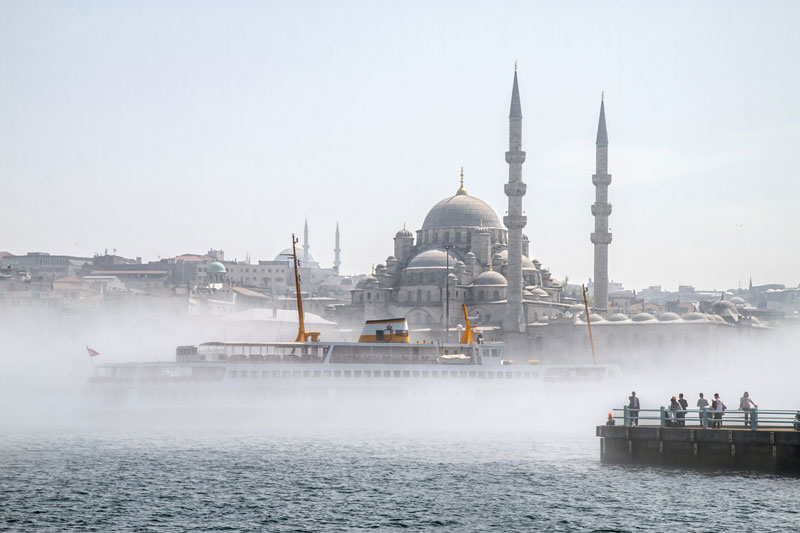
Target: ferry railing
752,419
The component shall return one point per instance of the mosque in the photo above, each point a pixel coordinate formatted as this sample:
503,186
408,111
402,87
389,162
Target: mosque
463,254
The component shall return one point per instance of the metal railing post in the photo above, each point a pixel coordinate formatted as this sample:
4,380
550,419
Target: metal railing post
663,416
754,419
626,417
704,417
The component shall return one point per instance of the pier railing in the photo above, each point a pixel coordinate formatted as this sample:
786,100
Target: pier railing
752,419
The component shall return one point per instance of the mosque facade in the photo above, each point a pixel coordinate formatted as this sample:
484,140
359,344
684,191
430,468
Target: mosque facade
463,254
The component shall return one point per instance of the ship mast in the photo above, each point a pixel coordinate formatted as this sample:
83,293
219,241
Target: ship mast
302,334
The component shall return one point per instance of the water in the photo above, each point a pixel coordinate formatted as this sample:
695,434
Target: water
231,478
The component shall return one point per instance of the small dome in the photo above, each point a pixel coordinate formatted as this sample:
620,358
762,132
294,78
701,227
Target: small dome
527,264
370,281
460,264
618,317
490,277
593,316
433,259
403,233
452,278
643,317
469,256
738,300
694,317
538,291
286,255
576,309
668,317
216,268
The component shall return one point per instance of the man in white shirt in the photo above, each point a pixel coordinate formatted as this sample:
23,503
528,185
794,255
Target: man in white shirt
701,403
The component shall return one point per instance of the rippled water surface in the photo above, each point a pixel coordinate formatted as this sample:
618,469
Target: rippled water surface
231,480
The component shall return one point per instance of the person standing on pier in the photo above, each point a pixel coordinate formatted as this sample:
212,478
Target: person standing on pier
633,408
682,413
719,410
701,404
674,412
746,404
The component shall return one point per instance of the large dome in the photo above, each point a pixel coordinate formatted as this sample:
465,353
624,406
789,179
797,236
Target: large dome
461,211
432,259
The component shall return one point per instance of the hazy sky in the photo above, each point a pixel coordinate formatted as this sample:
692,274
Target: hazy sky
160,128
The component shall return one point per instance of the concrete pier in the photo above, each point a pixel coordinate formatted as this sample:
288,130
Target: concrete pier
772,450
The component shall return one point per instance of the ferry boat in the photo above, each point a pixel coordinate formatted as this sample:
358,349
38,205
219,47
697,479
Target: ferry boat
383,356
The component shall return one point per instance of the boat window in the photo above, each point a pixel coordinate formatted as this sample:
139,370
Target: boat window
337,373
425,374
276,373
435,374
527,375
254,373
296,373
327,373
306,373
509,375
396,374
232,373
317,373
482,375
406,374
357,373
348,373
287,373
472,374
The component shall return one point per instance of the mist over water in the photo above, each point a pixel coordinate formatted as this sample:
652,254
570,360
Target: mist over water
443,455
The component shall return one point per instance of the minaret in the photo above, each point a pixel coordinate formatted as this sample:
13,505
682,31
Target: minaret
514,320
336,262
601,209
305,245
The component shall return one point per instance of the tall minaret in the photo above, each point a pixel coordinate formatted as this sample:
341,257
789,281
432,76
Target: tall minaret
601,209
514,320
305,245
336,262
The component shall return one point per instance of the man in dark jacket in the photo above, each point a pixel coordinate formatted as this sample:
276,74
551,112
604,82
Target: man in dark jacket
633,408
682,413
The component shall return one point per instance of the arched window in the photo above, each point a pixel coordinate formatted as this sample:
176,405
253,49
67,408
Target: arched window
480,295
496,294
419,295
446,236
408,298
428,296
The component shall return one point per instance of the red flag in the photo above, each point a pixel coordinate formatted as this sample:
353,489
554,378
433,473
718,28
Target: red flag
92,353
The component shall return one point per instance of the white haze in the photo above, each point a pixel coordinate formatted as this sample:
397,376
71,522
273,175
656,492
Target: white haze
44,371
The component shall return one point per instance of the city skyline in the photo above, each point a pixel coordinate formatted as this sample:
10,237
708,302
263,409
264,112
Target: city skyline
161,130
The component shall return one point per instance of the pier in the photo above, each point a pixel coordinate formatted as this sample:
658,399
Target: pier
770,442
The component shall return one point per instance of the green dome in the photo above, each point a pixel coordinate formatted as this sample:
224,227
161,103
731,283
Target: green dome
216,268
